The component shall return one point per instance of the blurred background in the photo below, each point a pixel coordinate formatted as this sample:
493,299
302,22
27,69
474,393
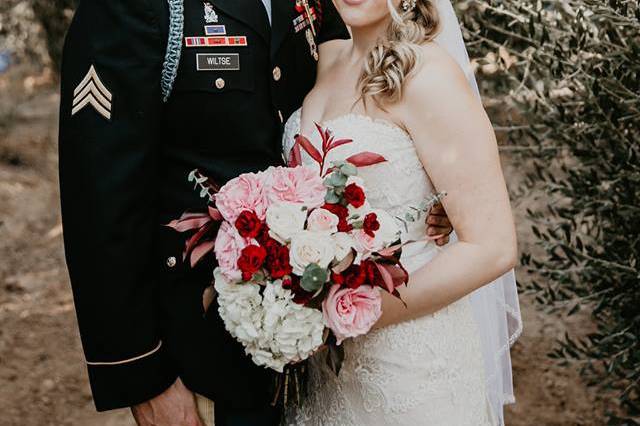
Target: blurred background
561,82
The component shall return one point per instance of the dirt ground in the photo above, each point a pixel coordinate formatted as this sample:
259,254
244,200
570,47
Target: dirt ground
42,375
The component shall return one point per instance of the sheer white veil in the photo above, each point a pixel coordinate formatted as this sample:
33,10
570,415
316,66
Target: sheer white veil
495,306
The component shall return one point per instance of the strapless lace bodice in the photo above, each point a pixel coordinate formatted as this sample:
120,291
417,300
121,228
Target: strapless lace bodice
427,371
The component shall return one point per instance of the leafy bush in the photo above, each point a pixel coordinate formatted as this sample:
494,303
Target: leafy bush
572,70
34,29
54,16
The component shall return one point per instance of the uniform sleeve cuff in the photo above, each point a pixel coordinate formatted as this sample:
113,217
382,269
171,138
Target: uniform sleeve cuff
124,384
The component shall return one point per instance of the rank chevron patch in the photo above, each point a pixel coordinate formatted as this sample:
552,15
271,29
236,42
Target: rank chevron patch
91,91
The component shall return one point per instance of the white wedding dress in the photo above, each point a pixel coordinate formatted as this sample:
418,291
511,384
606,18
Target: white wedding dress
428,371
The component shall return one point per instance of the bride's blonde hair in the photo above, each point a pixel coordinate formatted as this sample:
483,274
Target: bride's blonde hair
395,56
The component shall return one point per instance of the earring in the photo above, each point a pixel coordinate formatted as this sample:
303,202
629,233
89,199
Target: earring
408,5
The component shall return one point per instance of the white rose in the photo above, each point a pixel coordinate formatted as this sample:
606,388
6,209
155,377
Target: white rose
389,231
310,247
322,220
343,245
285,220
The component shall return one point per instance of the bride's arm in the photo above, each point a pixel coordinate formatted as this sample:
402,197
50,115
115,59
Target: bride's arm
458,149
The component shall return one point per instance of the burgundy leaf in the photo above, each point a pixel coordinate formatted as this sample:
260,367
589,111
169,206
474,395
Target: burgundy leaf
215,214
392,275
200,251
391,250
208,297
366,158
189,221
309,148
195,239
339,142
295,156
326,136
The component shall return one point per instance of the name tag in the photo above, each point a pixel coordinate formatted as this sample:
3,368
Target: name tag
218,61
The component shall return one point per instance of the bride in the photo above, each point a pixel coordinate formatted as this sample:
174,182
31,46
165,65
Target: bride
395,90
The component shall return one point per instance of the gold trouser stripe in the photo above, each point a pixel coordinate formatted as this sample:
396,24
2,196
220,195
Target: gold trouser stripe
205,409
125,361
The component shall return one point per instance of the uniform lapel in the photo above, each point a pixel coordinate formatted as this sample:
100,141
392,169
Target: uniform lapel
282,14
251,12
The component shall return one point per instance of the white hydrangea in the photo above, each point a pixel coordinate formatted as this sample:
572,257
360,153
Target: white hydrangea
274,330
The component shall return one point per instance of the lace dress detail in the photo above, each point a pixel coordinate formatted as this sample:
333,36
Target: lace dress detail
427,371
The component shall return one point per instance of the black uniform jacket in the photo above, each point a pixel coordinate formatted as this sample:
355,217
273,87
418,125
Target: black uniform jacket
124,160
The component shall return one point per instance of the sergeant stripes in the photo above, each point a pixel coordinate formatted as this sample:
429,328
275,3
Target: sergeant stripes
91,91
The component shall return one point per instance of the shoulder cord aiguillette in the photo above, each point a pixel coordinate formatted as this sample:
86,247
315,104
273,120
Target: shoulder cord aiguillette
174,47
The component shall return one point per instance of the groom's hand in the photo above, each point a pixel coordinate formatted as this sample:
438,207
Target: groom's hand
438,226
174,407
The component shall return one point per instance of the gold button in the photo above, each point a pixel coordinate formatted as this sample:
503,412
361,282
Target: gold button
281,117
171,262
277,73
220,83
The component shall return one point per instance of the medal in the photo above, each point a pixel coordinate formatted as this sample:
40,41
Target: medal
310,19
313,48
210,15
304,21
215,41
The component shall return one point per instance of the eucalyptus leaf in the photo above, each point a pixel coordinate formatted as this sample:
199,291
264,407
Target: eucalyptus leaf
313,278
332,197
349,169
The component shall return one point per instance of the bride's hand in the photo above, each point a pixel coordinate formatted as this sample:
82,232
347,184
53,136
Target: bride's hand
438,226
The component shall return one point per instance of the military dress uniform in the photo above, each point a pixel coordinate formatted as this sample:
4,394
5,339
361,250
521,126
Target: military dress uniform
152,89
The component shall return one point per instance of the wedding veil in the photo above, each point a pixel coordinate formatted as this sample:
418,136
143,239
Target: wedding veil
495,306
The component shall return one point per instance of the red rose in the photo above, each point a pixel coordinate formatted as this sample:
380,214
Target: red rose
248,224
374,277
342,212
337,278
354,195
278,261
264,235
355,276
371,224
251,259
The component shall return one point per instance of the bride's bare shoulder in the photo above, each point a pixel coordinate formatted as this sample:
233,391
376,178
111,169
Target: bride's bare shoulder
437,67
436,76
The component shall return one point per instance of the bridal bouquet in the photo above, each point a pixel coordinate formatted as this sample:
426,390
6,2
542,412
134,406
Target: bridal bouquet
301,255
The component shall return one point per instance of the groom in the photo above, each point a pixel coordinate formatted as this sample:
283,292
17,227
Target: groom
152,89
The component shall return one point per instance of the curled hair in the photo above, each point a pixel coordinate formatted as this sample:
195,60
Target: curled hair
395,56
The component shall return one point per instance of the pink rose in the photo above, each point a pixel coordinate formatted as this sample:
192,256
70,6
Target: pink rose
351,312
300,185
228,248
364,244
246,192
321,220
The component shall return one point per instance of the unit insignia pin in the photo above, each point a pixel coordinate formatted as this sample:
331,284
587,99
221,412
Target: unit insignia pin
210,15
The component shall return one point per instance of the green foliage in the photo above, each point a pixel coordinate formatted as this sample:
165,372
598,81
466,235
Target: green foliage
34,30
54,16
571,69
